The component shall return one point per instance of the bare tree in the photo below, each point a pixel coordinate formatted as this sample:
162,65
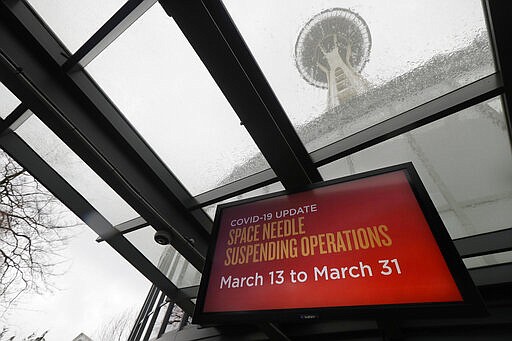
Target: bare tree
31,337
118,328
35,337
33,229
3,334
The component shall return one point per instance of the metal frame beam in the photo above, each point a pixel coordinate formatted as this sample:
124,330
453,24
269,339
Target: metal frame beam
498,22
485,243
16,118
453,102
117,24
156,311
146,310
142,313
83,117
214,37
178,193
167,316
128,226
48,177
131,225
54,48
435,109
492,274
255,181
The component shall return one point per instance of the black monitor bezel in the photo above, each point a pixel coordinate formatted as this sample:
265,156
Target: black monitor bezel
471,305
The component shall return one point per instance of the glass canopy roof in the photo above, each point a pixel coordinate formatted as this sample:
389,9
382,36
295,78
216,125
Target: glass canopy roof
170,262
402,54
58,155
157,80
469,179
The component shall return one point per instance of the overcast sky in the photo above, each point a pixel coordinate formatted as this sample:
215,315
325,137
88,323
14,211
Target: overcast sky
154,77
98,285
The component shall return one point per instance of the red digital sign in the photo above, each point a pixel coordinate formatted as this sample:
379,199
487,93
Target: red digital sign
356,243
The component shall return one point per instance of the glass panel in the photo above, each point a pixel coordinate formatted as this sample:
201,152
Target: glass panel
51,148
165,258
8,102
75,21
165,91
275,187
464,160
492,259
400,54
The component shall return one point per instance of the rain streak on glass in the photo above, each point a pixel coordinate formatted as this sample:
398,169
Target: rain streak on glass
168,95
473,197
340,67
74,170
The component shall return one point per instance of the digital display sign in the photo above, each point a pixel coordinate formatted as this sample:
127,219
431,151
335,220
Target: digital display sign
360,245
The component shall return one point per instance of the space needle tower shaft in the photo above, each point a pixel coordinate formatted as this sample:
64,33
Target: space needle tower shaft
331,50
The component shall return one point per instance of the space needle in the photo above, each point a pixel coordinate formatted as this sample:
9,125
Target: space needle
331,51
